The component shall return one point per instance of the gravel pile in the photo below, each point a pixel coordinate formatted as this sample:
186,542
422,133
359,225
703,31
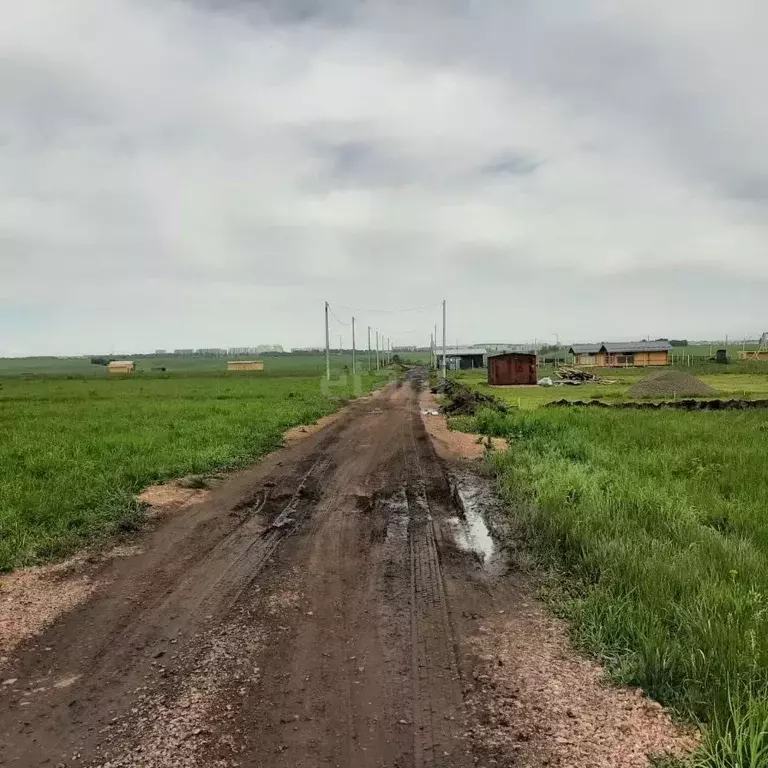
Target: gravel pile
671,384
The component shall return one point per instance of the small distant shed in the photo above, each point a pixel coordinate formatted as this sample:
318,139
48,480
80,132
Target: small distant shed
121,367
512,368
245,365
462,358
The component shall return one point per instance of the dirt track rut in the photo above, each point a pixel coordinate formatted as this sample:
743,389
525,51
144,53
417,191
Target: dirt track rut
299,617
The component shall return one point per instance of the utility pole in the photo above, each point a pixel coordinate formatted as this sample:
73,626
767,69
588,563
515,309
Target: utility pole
431,350
445,359
369,349
377,350
353,347
327,346
434,350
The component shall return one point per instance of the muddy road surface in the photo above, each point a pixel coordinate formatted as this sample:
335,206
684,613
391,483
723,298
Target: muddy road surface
301,616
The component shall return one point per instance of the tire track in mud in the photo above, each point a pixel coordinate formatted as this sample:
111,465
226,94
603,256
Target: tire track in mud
438,700
249,563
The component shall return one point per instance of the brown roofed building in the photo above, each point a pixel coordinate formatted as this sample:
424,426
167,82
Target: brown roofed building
621,354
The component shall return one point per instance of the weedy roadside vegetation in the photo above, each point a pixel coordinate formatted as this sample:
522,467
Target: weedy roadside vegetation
655,524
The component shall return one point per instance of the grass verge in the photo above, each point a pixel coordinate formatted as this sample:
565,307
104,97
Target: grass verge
657,523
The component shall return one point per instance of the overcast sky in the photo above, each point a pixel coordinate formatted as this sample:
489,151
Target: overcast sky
186,173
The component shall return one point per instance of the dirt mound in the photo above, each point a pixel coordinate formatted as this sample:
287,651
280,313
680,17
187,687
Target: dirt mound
671,384
463,401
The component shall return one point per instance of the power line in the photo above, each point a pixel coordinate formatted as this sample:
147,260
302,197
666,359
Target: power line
340,322
390,311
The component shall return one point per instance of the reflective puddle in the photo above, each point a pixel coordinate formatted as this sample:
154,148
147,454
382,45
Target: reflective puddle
470,531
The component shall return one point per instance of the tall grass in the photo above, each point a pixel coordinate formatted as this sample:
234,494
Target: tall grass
73,454
659,522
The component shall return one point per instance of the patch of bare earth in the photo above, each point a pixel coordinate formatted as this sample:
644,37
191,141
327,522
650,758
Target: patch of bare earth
189,713
448,443
169,498
286,599
537,702
176,723
32,598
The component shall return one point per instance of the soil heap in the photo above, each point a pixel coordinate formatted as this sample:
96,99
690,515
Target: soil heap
460,400
671,384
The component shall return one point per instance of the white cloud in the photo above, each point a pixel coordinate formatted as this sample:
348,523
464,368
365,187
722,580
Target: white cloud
228,168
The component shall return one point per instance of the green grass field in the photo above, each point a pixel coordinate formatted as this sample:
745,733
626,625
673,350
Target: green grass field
79,367
75,451
656,524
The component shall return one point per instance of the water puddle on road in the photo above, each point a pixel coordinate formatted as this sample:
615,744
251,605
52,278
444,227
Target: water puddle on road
474,502
470,532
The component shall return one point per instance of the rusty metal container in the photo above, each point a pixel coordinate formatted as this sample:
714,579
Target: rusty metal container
512,368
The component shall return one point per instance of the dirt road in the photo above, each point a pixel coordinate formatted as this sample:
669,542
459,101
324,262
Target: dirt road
339,604
297,618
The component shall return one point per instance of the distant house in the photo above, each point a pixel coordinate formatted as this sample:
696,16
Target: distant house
245,365
462,358
586,355
622,354
121,367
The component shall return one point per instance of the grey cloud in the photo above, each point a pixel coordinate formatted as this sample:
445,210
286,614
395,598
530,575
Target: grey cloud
514,165
198,153
753,188
361,163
